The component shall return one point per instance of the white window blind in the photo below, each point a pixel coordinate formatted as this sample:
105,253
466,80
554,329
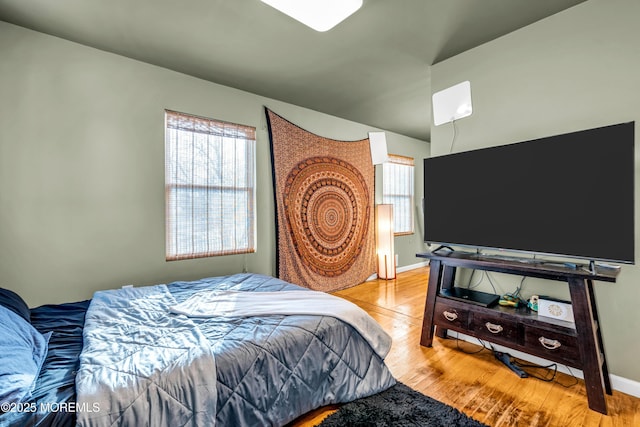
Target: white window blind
209,187
397,189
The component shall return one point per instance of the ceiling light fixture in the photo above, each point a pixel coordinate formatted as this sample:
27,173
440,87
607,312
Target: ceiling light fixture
321,15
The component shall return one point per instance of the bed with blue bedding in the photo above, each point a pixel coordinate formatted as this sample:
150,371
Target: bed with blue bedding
244,370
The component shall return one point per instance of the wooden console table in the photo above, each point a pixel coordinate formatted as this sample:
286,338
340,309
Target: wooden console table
578,345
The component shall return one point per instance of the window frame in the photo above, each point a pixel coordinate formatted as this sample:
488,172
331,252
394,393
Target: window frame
399,160
216,132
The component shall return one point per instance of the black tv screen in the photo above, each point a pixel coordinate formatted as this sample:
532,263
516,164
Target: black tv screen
569,195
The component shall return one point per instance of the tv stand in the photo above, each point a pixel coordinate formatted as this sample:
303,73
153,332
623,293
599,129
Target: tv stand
578,345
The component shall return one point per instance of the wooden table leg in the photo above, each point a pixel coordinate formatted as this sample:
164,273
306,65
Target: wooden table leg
447,282
590,351
435,272
594,310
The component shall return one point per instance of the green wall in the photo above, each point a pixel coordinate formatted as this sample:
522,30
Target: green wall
575,70
82,168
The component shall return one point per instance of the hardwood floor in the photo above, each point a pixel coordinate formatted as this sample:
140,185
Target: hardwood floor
477,384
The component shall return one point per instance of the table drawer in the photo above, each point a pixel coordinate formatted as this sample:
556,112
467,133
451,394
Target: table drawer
495,328
449,316
552,345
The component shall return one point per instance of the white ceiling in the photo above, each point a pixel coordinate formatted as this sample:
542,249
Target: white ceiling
373,68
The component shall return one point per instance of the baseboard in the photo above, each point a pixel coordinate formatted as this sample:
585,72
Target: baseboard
401,269
412,266
625,385
618,383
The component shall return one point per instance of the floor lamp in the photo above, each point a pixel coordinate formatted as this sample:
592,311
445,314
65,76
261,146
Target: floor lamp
384,242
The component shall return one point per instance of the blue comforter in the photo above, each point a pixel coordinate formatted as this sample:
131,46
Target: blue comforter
273,369
141,366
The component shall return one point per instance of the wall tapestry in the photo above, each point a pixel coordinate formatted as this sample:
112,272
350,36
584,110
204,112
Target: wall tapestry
324,194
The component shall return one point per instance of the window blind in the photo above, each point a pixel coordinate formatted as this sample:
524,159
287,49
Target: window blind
397,189
209,187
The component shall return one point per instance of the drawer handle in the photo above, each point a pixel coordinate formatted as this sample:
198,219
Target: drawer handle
493,328
549,343
450,315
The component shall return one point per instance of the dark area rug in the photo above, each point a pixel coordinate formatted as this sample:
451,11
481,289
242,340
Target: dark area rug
398,406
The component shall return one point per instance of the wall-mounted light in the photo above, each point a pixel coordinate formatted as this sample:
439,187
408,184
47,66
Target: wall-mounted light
378,145
452,103
384,242
321,15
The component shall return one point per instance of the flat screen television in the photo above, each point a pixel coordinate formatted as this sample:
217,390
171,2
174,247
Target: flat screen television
570,195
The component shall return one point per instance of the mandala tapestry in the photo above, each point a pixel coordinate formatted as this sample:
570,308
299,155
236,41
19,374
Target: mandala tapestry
324,207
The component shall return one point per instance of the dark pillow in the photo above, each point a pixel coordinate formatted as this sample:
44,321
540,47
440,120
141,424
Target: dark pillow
13,302
22,352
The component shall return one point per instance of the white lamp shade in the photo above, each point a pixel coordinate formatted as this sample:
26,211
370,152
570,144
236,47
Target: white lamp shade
378,145
384,242
452,103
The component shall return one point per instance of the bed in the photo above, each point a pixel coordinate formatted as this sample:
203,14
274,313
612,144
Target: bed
252,370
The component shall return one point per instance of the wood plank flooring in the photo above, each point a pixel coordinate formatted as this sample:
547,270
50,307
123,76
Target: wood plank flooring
476,384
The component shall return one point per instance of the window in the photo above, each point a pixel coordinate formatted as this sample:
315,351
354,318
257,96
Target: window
209,187
397,189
